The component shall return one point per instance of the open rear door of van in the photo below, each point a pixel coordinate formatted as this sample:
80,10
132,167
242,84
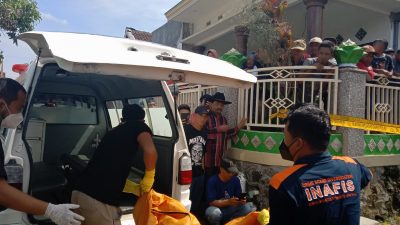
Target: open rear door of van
85,53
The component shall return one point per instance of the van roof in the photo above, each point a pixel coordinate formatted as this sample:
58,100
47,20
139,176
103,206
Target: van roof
86,53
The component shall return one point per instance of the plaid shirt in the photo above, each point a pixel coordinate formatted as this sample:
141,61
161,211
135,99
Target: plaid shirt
216,140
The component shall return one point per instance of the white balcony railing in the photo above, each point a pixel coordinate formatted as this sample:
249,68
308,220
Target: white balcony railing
279,88
383,99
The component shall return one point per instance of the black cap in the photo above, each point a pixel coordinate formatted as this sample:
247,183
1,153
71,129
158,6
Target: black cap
206,97
229,166
202,110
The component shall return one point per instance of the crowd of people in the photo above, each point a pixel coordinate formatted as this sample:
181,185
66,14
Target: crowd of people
377,59
215,191
380,60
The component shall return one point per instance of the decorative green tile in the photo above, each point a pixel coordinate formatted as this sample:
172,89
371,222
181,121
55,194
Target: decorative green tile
336,144
381,144
269,142
260,141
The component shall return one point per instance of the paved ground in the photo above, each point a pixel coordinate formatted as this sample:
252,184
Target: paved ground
128,220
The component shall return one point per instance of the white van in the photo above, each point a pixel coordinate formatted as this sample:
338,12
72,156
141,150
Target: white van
76,91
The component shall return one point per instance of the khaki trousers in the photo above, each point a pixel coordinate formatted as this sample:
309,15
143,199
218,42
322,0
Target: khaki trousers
95,212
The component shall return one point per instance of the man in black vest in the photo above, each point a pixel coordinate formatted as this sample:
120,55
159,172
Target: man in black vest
99,188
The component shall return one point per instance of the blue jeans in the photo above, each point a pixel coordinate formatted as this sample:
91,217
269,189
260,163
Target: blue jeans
216,216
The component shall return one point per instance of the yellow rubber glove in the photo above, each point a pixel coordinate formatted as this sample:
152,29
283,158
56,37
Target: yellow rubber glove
147,182
132,187
263,217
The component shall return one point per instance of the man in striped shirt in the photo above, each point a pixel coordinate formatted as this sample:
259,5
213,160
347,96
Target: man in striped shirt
218,132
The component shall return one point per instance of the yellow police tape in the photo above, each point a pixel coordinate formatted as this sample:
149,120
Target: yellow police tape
353,122
363,124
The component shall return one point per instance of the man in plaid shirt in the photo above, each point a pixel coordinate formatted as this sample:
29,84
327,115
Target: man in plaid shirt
218,132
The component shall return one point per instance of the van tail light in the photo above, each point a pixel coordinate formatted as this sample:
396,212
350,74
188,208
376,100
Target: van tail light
185,170
19,68
14,174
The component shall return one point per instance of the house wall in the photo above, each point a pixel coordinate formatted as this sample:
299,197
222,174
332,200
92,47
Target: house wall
169,34
339,18
223,44
224,8
344,19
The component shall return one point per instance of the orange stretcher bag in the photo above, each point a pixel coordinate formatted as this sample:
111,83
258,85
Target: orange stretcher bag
154,208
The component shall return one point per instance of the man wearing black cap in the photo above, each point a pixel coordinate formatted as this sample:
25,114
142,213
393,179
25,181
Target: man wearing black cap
218,132
103,180
224,195
196,137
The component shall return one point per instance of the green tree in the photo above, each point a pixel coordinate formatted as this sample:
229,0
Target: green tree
18,16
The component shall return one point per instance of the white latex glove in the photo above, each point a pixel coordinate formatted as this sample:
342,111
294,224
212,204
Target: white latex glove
62,214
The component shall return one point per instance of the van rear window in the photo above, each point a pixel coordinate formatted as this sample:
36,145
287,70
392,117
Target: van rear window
156,114
65,109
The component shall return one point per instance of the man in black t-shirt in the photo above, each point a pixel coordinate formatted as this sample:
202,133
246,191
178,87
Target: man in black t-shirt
12,101
103,180
196,137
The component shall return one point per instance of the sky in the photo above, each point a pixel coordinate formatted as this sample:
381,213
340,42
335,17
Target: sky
105,17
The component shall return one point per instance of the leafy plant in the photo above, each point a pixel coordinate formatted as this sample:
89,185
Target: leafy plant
18,16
